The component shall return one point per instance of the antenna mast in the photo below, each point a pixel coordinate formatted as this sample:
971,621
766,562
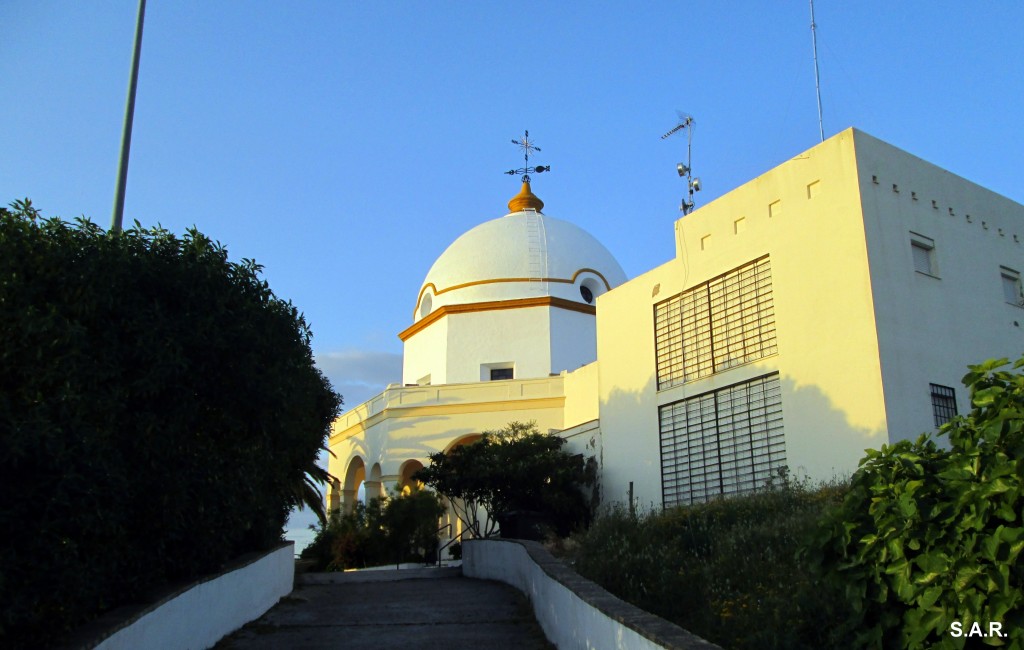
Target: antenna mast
817,84
692,184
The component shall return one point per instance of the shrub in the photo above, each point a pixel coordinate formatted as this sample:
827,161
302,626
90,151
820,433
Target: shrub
929,536
728,570
158,409
398,529
517,469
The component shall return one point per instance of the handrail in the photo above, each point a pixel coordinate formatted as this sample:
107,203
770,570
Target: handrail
451,540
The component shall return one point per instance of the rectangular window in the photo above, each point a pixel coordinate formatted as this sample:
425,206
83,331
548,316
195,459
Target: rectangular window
722,323
1011,286
923,249
943,404
501,373
728,441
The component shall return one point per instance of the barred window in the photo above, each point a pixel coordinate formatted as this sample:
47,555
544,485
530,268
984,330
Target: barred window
943,404
722,323
728,441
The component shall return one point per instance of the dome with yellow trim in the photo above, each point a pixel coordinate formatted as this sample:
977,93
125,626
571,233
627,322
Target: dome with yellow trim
525,254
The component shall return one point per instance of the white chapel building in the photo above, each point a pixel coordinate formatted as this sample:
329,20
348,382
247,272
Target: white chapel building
828,306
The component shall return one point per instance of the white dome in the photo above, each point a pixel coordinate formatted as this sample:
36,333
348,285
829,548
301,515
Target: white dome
524,254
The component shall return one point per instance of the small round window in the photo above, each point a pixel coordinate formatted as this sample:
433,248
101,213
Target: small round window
425,305
586,293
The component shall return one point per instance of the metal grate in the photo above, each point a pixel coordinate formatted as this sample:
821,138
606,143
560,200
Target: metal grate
943,404
722,323
728,441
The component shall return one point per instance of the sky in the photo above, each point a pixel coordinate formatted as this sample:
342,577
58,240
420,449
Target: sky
344,145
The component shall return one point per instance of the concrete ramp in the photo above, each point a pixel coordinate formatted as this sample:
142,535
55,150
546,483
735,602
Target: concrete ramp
408,609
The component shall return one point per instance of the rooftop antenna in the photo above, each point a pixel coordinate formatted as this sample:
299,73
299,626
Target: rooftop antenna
817,84
692,184
528,147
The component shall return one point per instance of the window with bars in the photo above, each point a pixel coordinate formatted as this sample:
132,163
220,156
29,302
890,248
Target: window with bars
943,404
725,322
728,441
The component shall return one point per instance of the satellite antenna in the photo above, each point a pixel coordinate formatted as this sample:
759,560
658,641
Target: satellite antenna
528,147
692,184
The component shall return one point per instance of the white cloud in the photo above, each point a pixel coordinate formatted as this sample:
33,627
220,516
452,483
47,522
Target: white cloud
360,374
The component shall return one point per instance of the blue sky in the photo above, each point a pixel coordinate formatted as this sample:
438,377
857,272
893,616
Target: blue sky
344,145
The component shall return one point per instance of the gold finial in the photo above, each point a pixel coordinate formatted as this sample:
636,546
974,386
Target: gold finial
525,200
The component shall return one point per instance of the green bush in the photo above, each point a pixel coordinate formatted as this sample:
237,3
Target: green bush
159,408
398,529
929,536
729,570
517,469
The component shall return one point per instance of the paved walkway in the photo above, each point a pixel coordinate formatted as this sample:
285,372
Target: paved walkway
407,609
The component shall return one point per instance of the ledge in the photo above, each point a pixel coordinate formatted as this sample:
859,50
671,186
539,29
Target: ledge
573,611
199,613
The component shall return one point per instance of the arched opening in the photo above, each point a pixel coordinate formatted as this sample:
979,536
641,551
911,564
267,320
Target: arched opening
451,516
374,486
426,304
590,289
406,483
464,440
355,475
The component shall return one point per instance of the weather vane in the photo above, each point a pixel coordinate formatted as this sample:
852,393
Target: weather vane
528,147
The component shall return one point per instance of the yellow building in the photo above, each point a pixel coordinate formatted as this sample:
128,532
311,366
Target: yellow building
825,307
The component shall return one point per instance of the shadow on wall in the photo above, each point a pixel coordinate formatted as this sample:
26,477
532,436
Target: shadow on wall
822,443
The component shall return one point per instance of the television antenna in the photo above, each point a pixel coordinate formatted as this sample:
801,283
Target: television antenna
693,184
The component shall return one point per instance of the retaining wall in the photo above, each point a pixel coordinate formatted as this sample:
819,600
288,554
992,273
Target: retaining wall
573,611
200,614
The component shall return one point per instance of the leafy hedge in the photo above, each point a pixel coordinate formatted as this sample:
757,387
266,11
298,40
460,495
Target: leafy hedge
158,409
929,536
922,549
729,570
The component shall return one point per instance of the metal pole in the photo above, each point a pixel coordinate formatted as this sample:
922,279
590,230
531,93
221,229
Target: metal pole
126,135
817,86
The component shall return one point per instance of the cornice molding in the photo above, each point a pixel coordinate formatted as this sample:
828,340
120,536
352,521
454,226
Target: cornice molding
497,305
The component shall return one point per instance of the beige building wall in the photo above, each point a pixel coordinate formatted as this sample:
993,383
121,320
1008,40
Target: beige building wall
805,216
932,325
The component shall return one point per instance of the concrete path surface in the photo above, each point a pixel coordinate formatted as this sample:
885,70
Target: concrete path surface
406,609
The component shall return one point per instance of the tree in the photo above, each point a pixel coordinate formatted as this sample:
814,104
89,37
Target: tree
928,537
158,406
411,524
517,469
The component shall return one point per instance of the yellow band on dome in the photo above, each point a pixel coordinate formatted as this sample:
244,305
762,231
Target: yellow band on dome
438,292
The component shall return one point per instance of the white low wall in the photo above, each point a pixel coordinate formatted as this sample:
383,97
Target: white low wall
201,614
573,611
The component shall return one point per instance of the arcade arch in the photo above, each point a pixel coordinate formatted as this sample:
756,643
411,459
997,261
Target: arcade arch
355,475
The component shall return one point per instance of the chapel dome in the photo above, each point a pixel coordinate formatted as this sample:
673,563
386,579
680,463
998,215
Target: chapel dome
525,254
